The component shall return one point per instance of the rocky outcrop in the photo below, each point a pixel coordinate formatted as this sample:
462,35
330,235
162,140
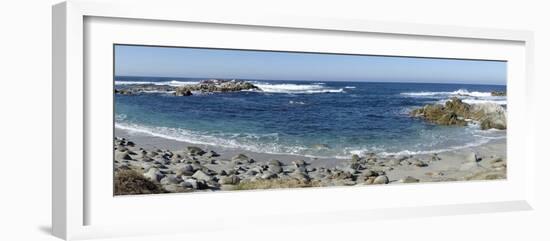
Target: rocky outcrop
498,93
207,86
456,112
143,88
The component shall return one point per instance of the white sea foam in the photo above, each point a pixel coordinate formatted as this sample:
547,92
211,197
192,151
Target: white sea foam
470,97
250,142
460,92
287,88
170,83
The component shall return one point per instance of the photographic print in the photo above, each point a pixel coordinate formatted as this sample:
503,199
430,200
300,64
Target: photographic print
202,119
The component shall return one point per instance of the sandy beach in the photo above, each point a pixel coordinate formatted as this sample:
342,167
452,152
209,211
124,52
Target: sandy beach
176,166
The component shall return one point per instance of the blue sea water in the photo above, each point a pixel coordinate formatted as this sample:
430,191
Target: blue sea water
317,119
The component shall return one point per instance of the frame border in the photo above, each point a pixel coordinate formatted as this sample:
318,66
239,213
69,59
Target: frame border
68,106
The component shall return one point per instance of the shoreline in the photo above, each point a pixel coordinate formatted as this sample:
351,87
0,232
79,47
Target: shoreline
218,168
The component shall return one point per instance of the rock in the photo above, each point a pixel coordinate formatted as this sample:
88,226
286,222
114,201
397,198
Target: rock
229,180
269,175
170,179
419,163
200,175
183,92
193,150
300,176
214,85
122,156
185,170
355,158
409,179
498,93
195,184
212,154
472,157
241,158
275,169
370,180
275,163
455,112
154,174
381,180
368,173
299,163
490,116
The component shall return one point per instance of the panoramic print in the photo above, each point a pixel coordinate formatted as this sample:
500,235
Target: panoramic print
208,120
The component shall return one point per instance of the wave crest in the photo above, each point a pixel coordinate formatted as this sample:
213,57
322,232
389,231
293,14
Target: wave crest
287,88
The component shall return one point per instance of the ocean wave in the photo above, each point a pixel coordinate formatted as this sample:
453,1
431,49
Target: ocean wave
270,143
287,88
460,92
174,83
296,102
248,142
470,97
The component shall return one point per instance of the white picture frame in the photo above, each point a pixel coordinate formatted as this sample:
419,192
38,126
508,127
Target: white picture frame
73,193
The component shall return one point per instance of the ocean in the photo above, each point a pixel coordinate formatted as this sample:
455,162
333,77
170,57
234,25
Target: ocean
326,119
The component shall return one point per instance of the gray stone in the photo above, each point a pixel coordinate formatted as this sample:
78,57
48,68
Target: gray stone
200,175
269,175
409,179
472,157
381,180
193,150
154,174
122,156
185,170
275,163
241,158
275,169
231,180
170,179
419,163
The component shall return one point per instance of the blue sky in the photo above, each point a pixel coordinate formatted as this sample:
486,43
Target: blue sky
241,64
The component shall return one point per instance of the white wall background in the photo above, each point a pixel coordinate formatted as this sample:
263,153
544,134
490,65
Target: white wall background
25,92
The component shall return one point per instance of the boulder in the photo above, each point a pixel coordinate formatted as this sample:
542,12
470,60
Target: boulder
200,175
193,150
269,175
229,180
241,158
409,179
381,180
154,174
124,155
185,170
456,112
275,169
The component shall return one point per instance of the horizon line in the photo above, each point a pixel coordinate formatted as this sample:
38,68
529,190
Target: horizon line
363,81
